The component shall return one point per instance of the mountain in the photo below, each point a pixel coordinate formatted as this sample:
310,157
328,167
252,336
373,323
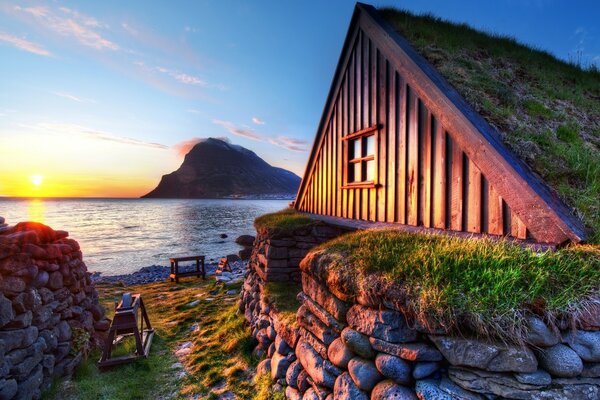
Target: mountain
214,168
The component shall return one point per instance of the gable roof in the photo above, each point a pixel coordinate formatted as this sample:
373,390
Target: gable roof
545,215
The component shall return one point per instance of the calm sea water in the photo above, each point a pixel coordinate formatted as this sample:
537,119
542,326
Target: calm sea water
119,236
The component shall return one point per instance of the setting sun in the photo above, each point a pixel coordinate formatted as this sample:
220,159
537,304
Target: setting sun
37,180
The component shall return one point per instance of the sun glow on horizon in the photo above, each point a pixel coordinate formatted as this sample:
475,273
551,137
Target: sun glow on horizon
37,180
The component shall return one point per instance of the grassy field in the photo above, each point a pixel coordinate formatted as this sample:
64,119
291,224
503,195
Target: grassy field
489,283
547,110
287,219
218,365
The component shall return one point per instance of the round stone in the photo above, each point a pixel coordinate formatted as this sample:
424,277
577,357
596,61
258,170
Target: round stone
358,343
561,361
388,390
364,373
394,368
339,354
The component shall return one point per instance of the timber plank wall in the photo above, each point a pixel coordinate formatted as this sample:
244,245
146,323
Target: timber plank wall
429,157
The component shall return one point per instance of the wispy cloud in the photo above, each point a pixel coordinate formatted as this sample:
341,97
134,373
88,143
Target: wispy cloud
24,44
70,23
185,146
181,77
258,121
239,131
73,97
78,130
289,143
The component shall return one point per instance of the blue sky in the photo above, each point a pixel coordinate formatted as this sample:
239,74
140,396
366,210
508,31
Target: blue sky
115,91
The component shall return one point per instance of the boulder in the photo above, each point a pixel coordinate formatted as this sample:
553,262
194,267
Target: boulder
560,360
539,334
339,354
322,372
585,343
425,369
291,375
408,351
394,368
429,389
386,325
263,367
6,310
387,390
280,364
484,355
357,343
292,393
245,240
364,373
539,377
346,389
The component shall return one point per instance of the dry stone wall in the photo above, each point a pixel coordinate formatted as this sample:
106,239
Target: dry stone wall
276,254
49,309
354,346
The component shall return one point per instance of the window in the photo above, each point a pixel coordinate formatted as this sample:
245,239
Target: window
361,151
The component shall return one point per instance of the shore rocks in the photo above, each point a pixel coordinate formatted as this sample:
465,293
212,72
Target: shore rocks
560,360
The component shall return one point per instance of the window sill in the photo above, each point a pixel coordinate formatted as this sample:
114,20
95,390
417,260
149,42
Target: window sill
361,185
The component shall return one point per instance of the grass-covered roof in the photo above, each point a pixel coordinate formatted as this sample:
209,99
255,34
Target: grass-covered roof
546,110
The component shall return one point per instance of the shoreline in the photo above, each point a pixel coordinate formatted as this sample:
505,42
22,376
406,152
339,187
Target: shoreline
159,273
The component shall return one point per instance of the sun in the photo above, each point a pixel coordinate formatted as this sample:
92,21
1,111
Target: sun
37,180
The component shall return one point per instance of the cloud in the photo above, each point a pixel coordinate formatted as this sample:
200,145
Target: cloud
24,44
239,131
73,129
289,143
73,97
258,121
69,23
181,77
185,146
131,30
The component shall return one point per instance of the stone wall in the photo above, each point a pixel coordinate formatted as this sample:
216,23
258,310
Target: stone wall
356,346
47,303
276,254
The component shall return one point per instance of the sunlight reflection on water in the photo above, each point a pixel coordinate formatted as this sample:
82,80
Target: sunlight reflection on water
122,235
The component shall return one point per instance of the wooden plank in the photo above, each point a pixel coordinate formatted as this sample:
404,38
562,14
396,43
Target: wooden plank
373,113
381,117
456,191
366,82
401,143
344,147
327,173
439,177
351,203
362,132
390,134
518,228
357,84
495,221
426,169
474,199
413,159
546,216
336,159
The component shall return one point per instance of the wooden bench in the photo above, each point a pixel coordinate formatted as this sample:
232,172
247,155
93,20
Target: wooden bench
175,274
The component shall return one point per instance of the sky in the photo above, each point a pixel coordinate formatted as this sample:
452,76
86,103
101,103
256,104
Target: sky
100,99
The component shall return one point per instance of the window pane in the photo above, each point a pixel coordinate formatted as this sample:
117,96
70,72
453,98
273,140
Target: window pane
356,173
370,171
354,149
370,146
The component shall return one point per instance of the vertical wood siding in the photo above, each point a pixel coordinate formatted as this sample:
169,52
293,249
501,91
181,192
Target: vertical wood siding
423,177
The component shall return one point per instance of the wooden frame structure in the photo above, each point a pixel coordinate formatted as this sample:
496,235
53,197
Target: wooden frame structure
129,319
176,274
439,164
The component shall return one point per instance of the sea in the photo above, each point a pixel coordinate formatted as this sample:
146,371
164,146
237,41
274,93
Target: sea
120,236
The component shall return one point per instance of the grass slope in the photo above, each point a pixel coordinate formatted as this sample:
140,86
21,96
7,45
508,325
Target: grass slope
446,280
285,220
547,110
220,360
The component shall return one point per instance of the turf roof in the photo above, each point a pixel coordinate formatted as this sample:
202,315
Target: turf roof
547,111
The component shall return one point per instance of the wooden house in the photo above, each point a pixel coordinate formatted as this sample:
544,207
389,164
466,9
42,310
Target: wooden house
397,144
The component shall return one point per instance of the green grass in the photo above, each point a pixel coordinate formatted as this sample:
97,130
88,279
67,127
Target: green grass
489,283
220,359
545,109
285,220
283,295
264,391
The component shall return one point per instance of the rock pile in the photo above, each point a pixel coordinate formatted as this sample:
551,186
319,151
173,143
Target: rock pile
49,309
355,346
